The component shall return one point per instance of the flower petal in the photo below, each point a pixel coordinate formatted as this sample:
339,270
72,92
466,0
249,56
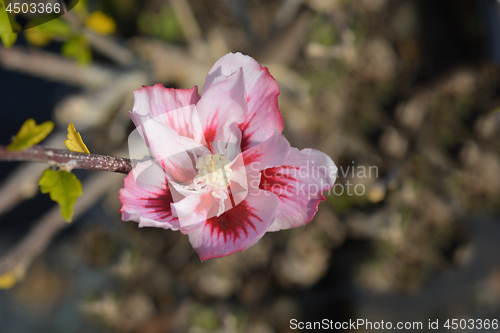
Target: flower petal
267,154
168,147
158,100
221,108
237,229
195,207
146,197
263,116
299,184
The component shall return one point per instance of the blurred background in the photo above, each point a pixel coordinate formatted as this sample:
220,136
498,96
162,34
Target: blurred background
406,90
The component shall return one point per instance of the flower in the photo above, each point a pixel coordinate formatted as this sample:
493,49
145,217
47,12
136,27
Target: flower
222,173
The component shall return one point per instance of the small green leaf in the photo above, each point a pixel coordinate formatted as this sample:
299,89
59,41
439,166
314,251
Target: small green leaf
30,134
64,188
75,142
7,37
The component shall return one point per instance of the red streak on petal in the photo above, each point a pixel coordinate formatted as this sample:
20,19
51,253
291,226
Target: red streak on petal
184,130
274,177
161,203
173,171
179,125
245,143
233,222
245,125
210,132
245,140
250,158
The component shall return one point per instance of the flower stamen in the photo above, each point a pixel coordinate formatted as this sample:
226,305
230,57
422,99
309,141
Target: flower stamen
213,171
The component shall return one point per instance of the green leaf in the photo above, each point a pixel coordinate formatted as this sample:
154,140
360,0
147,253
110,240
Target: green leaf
64,188
8,38
75,142
30,134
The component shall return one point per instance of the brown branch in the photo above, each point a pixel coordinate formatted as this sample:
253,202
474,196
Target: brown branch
22,183
69,159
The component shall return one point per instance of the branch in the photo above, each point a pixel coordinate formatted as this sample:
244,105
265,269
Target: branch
66,158
22,183
54,67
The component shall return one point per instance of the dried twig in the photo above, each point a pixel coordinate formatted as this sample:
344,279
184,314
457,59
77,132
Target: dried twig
54,67
94,108
186,19
109,47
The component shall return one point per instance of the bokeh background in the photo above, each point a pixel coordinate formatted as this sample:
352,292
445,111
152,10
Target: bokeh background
409,88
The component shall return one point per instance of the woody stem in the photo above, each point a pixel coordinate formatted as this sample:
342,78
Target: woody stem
67,158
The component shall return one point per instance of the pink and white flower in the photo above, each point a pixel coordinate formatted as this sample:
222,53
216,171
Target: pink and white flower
222,172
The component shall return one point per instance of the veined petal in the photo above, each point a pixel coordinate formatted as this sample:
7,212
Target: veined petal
194,208
267,154
299,184
263,116
157,100
221,108
146,197
168,147
237,229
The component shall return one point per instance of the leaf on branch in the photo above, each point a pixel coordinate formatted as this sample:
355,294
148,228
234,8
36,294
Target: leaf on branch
75,142
30,134
64,188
